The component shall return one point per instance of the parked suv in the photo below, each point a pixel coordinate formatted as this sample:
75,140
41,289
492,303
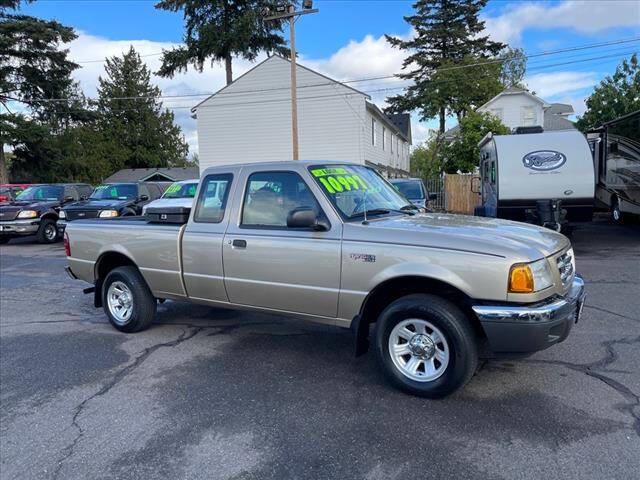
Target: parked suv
414,190
111,200
35,210
179,194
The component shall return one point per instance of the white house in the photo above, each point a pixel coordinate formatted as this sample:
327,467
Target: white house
250,120
517,107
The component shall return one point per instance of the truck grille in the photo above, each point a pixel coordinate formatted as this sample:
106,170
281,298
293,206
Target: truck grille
566,269
81,214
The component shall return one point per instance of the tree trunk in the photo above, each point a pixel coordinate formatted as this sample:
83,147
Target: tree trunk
442,119
4,175
228,68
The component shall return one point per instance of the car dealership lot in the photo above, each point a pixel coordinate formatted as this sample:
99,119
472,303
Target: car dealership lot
211,393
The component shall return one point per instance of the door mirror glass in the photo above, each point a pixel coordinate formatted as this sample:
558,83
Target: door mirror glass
475,185
302,217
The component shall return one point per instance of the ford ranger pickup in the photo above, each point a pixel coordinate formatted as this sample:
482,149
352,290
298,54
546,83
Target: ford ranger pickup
336,243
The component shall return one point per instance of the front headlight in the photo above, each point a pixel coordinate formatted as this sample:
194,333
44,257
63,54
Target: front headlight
108,213
28,214
530,277
62,214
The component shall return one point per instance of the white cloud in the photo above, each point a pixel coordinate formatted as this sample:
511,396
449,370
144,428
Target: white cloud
558,83
581,16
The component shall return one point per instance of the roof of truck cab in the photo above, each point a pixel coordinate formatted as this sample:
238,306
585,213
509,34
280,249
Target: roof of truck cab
283,164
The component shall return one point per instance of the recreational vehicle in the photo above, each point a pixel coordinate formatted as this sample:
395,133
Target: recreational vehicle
616,156
545,178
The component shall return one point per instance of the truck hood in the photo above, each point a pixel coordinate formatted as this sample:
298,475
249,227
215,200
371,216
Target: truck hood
91,204
489,236
9,211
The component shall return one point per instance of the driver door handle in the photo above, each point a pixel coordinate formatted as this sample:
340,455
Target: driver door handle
239,243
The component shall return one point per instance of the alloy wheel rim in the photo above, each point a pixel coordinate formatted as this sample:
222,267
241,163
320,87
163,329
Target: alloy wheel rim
120,302
50,232
419,350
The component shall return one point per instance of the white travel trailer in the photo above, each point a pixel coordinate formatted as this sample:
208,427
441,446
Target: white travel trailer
545,178
616,155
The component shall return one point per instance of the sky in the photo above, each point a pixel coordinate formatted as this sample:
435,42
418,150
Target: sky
345,41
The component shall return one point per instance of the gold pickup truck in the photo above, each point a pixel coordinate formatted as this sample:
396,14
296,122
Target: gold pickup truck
336,243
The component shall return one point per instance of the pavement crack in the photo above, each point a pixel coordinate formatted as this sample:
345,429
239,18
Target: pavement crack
120,375
611,312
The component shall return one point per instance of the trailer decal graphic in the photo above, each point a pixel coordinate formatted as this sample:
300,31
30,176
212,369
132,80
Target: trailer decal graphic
544,160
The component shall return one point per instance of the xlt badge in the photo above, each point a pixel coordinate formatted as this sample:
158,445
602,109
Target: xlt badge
363,257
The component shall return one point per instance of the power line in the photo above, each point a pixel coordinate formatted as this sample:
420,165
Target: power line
565,61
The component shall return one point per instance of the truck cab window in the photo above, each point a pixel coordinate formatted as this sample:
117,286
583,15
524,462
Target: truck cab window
213,196
270,196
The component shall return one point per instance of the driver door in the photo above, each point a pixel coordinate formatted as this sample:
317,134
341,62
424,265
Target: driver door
267,264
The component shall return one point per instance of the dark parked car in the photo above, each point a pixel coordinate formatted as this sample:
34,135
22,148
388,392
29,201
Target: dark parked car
9,191
414,190
112,200
35,210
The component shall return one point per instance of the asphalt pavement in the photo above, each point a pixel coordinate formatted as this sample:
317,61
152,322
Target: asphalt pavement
213,393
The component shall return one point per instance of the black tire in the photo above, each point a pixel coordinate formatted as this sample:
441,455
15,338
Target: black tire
47,232
143,302
454,326
617,215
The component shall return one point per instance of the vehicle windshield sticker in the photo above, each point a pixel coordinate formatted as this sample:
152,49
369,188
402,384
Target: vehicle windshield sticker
192,190
338,180
173,188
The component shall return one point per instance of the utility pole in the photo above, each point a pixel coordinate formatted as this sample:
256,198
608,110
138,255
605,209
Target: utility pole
289,12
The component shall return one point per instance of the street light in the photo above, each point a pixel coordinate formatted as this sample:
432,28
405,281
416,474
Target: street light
287,11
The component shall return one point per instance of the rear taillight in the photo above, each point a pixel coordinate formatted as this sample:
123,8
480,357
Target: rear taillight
67,246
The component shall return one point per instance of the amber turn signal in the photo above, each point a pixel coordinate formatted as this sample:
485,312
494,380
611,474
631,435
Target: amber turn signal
520,279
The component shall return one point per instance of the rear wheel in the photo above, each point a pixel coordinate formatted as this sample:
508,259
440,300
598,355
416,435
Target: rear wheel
426,346
127,300
616,214
47,233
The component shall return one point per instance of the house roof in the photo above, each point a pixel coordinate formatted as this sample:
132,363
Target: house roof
515,91
402,122
142,174
274,58
560,109
557,122
387,119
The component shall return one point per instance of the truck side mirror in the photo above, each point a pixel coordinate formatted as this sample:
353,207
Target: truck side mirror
433,196
304,217
475,185
69,199
613,147
144,198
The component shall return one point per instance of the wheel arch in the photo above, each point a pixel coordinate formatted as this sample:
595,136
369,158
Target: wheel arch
393,288
106,262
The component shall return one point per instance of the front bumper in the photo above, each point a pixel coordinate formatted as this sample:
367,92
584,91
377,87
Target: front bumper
529,328
14,228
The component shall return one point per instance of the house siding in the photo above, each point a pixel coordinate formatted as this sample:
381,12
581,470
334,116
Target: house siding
384,158
511,109
250,120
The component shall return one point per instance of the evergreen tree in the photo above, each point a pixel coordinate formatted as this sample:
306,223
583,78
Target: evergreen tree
136,131
219,30
614,97
447,34
33,69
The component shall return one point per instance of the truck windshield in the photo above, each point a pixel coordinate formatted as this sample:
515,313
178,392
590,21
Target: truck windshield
411,189
355,189
42,193
181,190
115,192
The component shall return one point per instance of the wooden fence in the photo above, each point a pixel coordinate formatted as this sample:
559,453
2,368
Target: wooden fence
458,195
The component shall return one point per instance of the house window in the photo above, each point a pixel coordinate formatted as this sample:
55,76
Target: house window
384,138
398,147
374,136
497,112
528,116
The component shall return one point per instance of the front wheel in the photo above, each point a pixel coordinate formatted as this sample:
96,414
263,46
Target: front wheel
127,300
47,232
426,345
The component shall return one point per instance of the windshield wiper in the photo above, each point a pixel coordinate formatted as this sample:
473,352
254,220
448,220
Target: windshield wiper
409,206
381,211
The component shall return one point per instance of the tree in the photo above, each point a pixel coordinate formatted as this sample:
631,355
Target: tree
615,96
426,159
33,69
514,66
463,153
136,131
447,33
219,30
